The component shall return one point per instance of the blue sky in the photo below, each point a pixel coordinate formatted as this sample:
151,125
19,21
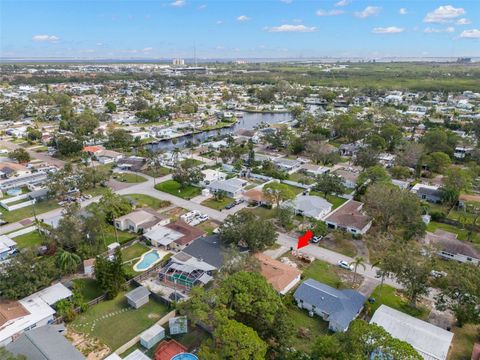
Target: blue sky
238,29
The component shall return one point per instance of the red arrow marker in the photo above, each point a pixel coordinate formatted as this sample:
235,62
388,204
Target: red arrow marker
304,239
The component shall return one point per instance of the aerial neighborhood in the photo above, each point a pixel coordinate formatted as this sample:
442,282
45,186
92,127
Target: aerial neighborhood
154,210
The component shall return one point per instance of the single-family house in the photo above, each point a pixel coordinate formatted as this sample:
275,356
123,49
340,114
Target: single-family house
311,206
232,187
132,163
349,176
33,311
141,221
430,193
314,170
256,196
108,156
349,149
282,277
450,248
45,343
138,297
349,217
288,165
430,341
338,307
7,247
9,169
210,176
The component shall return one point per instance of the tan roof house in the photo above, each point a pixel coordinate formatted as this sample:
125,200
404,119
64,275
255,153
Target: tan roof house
141,220
281,276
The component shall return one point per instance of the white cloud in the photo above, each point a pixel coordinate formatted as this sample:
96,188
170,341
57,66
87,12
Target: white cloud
368,11
471,34
202,7
219,22
343,3
45,38
287,1
444,14
99,44
243,18
449,29
178,3
147,49
463,21
403,11
334,12
291,28
388,30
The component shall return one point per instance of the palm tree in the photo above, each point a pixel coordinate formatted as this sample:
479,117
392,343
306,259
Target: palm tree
358,261
67,261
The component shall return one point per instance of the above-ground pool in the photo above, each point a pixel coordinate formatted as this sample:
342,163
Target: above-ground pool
147,260
14,192
185,356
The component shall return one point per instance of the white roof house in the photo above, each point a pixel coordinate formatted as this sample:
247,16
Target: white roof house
311,206
54,293
431,342
162,236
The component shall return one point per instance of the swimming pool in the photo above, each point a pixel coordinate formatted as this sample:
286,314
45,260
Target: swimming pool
147,260
184,356
14,192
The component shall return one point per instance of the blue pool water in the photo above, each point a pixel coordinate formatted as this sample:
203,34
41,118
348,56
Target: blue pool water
14,192
147,261
185,356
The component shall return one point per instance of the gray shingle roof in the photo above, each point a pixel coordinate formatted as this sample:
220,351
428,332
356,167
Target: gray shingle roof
44,343
342,306
137,293
209,249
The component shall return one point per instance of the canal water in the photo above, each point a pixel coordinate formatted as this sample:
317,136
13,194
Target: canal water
249,121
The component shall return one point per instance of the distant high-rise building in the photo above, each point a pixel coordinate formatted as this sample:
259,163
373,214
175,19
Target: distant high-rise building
464,60
178,62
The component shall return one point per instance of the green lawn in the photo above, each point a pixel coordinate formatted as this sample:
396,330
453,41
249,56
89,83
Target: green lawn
89,288
173,187
134,251
463,341
390,296
28,211
116,330
262,212
307,328
217,204
123,236
336,201
30,240
161,171
324,273
129,178
296,190
146,200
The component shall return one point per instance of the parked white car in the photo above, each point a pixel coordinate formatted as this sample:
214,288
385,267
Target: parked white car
345,265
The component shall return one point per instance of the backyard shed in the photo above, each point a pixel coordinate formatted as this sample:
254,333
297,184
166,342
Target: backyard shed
138,297
152,335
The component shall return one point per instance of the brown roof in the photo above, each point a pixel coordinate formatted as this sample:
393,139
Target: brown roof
190,233
254,195
448,242
278,274
349,215
10,310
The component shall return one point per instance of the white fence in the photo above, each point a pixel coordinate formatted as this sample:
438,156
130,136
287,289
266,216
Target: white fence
4,203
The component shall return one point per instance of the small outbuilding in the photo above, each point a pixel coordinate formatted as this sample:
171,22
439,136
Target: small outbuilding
178,325
138,297
151,336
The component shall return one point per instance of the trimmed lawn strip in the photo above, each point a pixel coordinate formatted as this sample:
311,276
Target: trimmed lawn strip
172,187
30,240
324,273
146,200
89,288
134,251
27,212
336,201
217,204
462,234
125,323
129,178
390,296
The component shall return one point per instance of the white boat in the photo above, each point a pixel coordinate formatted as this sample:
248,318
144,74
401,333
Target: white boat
238,114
